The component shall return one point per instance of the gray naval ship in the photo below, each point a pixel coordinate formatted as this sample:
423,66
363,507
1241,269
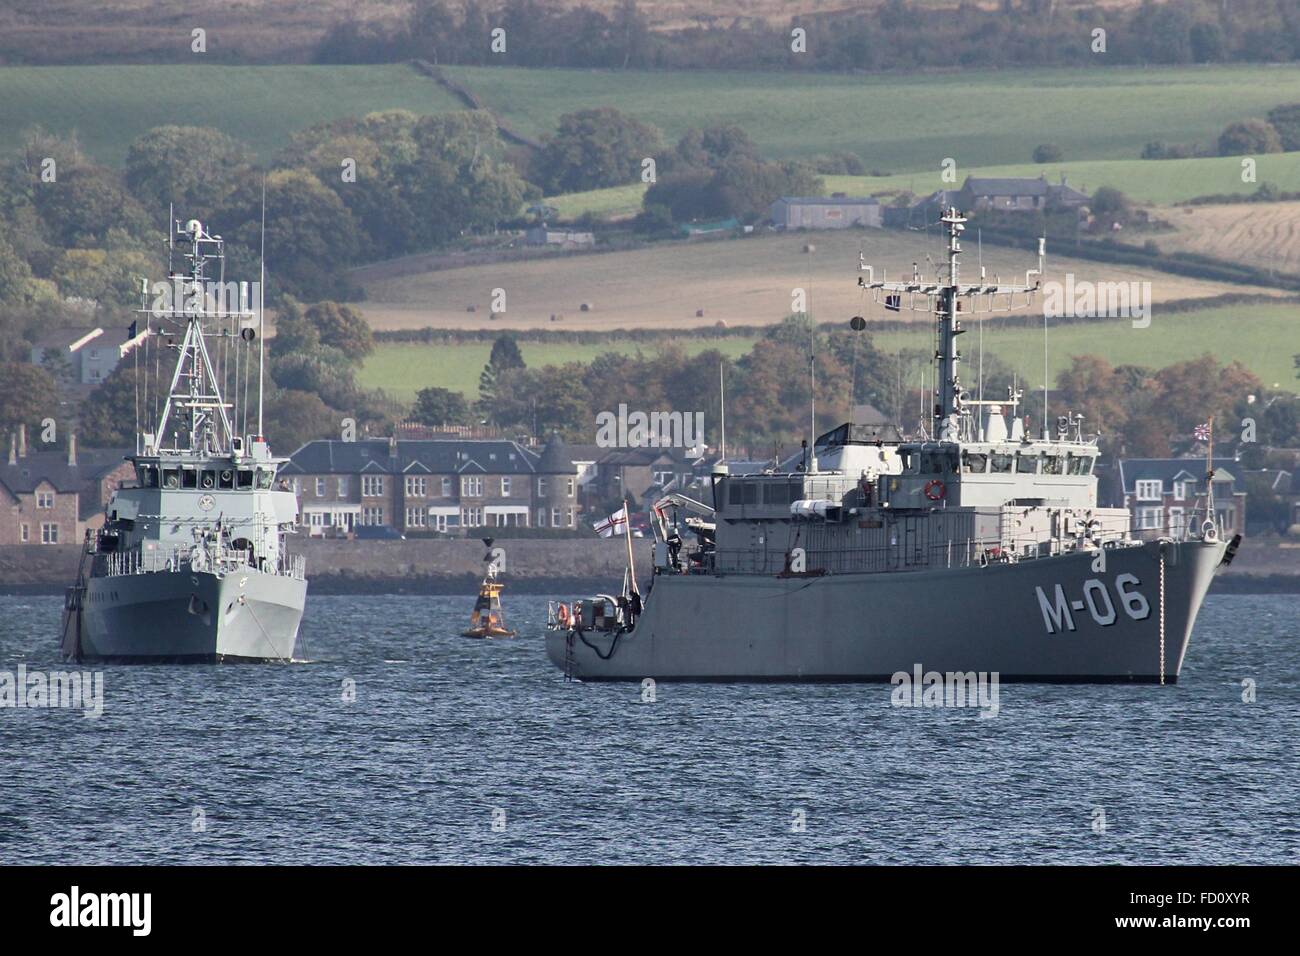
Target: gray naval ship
190,564
977,547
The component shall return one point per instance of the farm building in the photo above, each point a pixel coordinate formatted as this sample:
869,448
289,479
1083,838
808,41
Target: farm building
543,235
835,212
1017,194
92,353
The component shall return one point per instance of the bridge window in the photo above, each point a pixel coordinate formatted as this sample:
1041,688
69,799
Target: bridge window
189,478
245,478
976,464
781,492
1001,464
1081,465
743,493
171,478
1053,465
148,476
1026,464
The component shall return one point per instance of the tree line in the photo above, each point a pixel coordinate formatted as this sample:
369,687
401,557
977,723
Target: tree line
896,35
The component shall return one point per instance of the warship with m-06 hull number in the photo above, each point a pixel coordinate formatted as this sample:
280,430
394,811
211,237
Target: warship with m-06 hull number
190,564
981,548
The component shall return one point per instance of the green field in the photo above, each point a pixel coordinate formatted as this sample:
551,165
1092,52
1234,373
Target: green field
1261,337
1156,181
895,123
109,106
899,123
402,369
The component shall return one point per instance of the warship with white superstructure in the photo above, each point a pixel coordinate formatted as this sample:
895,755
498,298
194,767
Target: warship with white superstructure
976,546
190,564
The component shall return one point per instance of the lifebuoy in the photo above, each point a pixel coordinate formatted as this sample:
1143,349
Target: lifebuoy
934,489
562,615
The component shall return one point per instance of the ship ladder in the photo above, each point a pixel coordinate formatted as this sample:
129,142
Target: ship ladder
1162,613
569,662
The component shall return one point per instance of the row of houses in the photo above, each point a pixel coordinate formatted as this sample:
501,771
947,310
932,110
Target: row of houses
458,485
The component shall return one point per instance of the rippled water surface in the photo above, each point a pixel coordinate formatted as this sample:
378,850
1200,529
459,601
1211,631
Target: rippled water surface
447,735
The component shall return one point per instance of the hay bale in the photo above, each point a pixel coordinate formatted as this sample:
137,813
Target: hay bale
699,313
720,324
585,307
471,308
809,247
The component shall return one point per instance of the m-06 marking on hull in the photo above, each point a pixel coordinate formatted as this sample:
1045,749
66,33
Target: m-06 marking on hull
1058,610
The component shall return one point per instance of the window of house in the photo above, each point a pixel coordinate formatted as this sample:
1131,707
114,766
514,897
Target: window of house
417,518
662,477
49,533
446,487
416,487
556,516
1180,490
372,516
471,517
541,517
24,533
45,499
541,485
320,487
1150,518
372,485
568,517
568,486
471,486
1149,490
505,486
344,486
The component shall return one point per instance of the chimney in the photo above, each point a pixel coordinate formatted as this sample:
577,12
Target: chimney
22,441
392,447
13,449
72,448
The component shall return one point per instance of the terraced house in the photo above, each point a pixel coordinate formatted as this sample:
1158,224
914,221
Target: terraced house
441,485
52,496
1167,496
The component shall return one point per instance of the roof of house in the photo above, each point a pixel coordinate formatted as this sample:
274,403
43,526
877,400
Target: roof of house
1006,186
555,458
66,338
38,467
1167,470
830,200
445,456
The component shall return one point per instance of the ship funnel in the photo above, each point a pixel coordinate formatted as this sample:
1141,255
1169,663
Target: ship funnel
996,429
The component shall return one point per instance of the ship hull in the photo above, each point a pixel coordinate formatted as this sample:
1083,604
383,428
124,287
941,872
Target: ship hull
183,617
1101,625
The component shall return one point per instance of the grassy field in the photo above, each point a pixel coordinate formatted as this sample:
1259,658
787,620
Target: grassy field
404,368
902,123
741,282
109,106
1259,234
1253,334
895,123
1162,182
1261,337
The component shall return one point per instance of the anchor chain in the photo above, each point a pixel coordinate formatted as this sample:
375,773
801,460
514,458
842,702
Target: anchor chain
1162,614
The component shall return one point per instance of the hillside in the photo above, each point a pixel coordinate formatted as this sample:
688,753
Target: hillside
740,282
109,106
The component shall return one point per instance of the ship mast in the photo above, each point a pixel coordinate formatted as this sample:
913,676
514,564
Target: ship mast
194,401
947,301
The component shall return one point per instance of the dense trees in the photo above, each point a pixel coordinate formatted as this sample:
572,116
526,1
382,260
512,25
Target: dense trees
440,406
717,173
1249,137
595,148
894,35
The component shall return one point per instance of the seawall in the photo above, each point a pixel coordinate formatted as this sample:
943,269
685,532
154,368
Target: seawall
563,567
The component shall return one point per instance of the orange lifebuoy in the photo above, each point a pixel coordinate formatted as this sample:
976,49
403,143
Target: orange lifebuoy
934,489
562,615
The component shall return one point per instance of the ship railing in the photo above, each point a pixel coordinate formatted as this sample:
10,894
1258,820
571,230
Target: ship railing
964,553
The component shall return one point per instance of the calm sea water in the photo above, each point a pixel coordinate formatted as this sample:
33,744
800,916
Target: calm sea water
447,735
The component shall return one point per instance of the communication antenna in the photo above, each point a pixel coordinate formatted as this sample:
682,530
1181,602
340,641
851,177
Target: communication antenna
722,393
261,315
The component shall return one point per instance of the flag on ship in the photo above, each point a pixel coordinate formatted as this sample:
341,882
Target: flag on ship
1203,432
614,524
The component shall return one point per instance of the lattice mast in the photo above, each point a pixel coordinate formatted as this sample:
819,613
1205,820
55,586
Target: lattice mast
948,301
